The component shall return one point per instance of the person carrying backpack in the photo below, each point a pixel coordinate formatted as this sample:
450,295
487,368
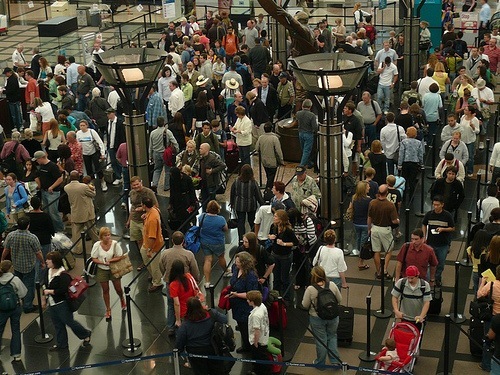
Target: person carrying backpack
322,298
12,290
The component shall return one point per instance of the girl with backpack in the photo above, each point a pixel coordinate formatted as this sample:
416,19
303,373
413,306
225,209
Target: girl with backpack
324,330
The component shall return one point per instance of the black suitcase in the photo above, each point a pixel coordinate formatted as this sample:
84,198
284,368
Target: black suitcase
345,329
436,302
476,333
232,158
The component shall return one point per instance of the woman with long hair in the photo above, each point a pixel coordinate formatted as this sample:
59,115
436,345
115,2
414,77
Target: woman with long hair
441,77
178,129
52,139
282,240
200,113
182,286
331,258
244,198
378,161
44,69
359,15
325,331
464,102
104,252
243,280
44,110
478,248
195,336
359,204
264,262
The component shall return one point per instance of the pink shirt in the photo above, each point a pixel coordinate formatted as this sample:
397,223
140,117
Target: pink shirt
21,153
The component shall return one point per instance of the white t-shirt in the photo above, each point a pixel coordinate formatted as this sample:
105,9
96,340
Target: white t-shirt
258,319
485,93
394,357
45,111
264,217
332,261
387,75
487,205
104,256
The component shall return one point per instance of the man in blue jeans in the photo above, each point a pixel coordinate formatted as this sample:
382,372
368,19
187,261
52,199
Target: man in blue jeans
308,127
437,226
24,249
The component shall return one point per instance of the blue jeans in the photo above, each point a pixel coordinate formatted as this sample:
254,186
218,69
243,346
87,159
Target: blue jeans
337,281
117,168
28,280
370,133
159,165
82,102
361,235
384,95
244,154
306,140
170,308
15,327
61,317
431,139
15,115
39,273
471,147
441,252
326,333
207,194
391,164
282,273
484,126
52,209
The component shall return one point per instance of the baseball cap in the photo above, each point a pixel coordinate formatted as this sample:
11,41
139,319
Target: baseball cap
412,271
7,70
38,155
283,75
300,170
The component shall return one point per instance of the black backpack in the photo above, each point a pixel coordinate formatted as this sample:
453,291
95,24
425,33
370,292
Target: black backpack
8,296
9,163
327,306
223,342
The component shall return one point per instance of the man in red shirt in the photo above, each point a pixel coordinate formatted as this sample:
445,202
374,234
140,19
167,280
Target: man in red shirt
230,44
32,90
418,254
493,52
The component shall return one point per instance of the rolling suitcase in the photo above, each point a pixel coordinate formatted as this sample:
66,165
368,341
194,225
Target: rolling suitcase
476,333
436,302
3,24
232,155
346,324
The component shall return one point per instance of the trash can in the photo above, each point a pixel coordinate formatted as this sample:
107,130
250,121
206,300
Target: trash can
82,17
289,140
95,18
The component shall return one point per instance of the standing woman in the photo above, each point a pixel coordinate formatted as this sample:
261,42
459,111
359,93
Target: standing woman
359,204
182,199
339,32
190,156
244,199
30,144
15,197
425,41
44,109
359,15
89,138
478,247
104,252
411,157
164,85
441,77
331,259
7,277
52,139
178,129
182,286
263,261
56,293
470,129
200,113
282,242
195,335
242,130
325,331
378,161
432,104
243,280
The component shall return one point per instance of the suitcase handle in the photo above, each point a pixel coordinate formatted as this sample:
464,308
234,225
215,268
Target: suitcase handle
347,300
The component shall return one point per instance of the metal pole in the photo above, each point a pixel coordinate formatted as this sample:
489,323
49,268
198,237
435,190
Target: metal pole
465,260
43,337
446,353
488,141
382,313
432,148
88,279
368,356
407,225
177,368
131,345
478,193
260,170
456,317
422,193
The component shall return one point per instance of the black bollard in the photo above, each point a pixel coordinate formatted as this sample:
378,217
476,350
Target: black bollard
432,148
88,279
341,228
407,225
446,353
211,290
368,356
478,193
383,313
486,161
131,345
260,170
495,136
422,193
43,337
456,317
465,260
469,227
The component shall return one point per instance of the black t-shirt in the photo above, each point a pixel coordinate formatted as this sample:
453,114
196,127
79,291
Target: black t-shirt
353,125
434,220
394,195
495,327
41,226
321,39
404,120
48,174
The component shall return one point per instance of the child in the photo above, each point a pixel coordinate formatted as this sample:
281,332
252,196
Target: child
390,356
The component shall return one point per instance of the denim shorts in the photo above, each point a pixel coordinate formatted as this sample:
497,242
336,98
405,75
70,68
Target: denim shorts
217,249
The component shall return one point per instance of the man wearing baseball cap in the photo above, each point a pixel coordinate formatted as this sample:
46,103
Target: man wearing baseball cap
411,297
303,186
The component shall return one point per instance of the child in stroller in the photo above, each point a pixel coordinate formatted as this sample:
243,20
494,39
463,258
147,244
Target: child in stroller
390,354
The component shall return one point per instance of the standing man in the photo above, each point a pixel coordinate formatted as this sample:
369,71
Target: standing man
308,127
269,147
387,51
24,249
159,139
484,18
353,124
495,163
49,181
259,57
484,99
152,242
176,252
81,199
155,107
210,168
286,96
493,52
371,112
35,61
85,84
258,113
388,73
381,215
116,136
72,75
13,95
391,136
32,90
249,34
437,226
258,331
303,186
18,59
176,102
269,96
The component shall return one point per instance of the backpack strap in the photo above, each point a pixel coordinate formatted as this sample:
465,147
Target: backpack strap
373,106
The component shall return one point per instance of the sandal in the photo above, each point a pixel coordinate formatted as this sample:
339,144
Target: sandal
363,267
108,315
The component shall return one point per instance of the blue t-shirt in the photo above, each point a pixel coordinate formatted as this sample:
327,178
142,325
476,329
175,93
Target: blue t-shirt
211,230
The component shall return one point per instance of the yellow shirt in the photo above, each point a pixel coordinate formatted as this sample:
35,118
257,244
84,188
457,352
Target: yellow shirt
440,78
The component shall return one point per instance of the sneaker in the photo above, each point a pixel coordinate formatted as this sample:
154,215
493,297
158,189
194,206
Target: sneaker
470,175
481,145
228,273
207,285
117,182
104,186
123,205
17,358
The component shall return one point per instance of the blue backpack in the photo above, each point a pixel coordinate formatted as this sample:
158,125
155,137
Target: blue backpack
192,237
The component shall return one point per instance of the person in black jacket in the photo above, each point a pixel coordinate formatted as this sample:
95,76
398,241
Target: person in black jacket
13,95
116,136
451,189
56,293
269,96
182,199
258,113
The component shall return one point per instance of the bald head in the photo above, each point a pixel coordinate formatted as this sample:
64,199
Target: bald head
74,175
204,149
382,190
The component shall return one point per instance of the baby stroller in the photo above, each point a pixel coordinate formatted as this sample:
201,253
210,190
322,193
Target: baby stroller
407,337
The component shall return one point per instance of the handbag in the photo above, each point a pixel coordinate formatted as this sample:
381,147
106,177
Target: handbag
349,213
77,291
366,251
192,237
224,303
424,46
482,308
90,267
121,267
485,109
197,292
233,223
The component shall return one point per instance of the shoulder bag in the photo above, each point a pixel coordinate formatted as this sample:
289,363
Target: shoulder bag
482,308
121,267
192,238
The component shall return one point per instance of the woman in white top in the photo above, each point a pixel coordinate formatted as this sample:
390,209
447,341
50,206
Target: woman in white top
104,252
52,139
469,125
164,85
331,258
359,15
242,130
44,109
89,138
